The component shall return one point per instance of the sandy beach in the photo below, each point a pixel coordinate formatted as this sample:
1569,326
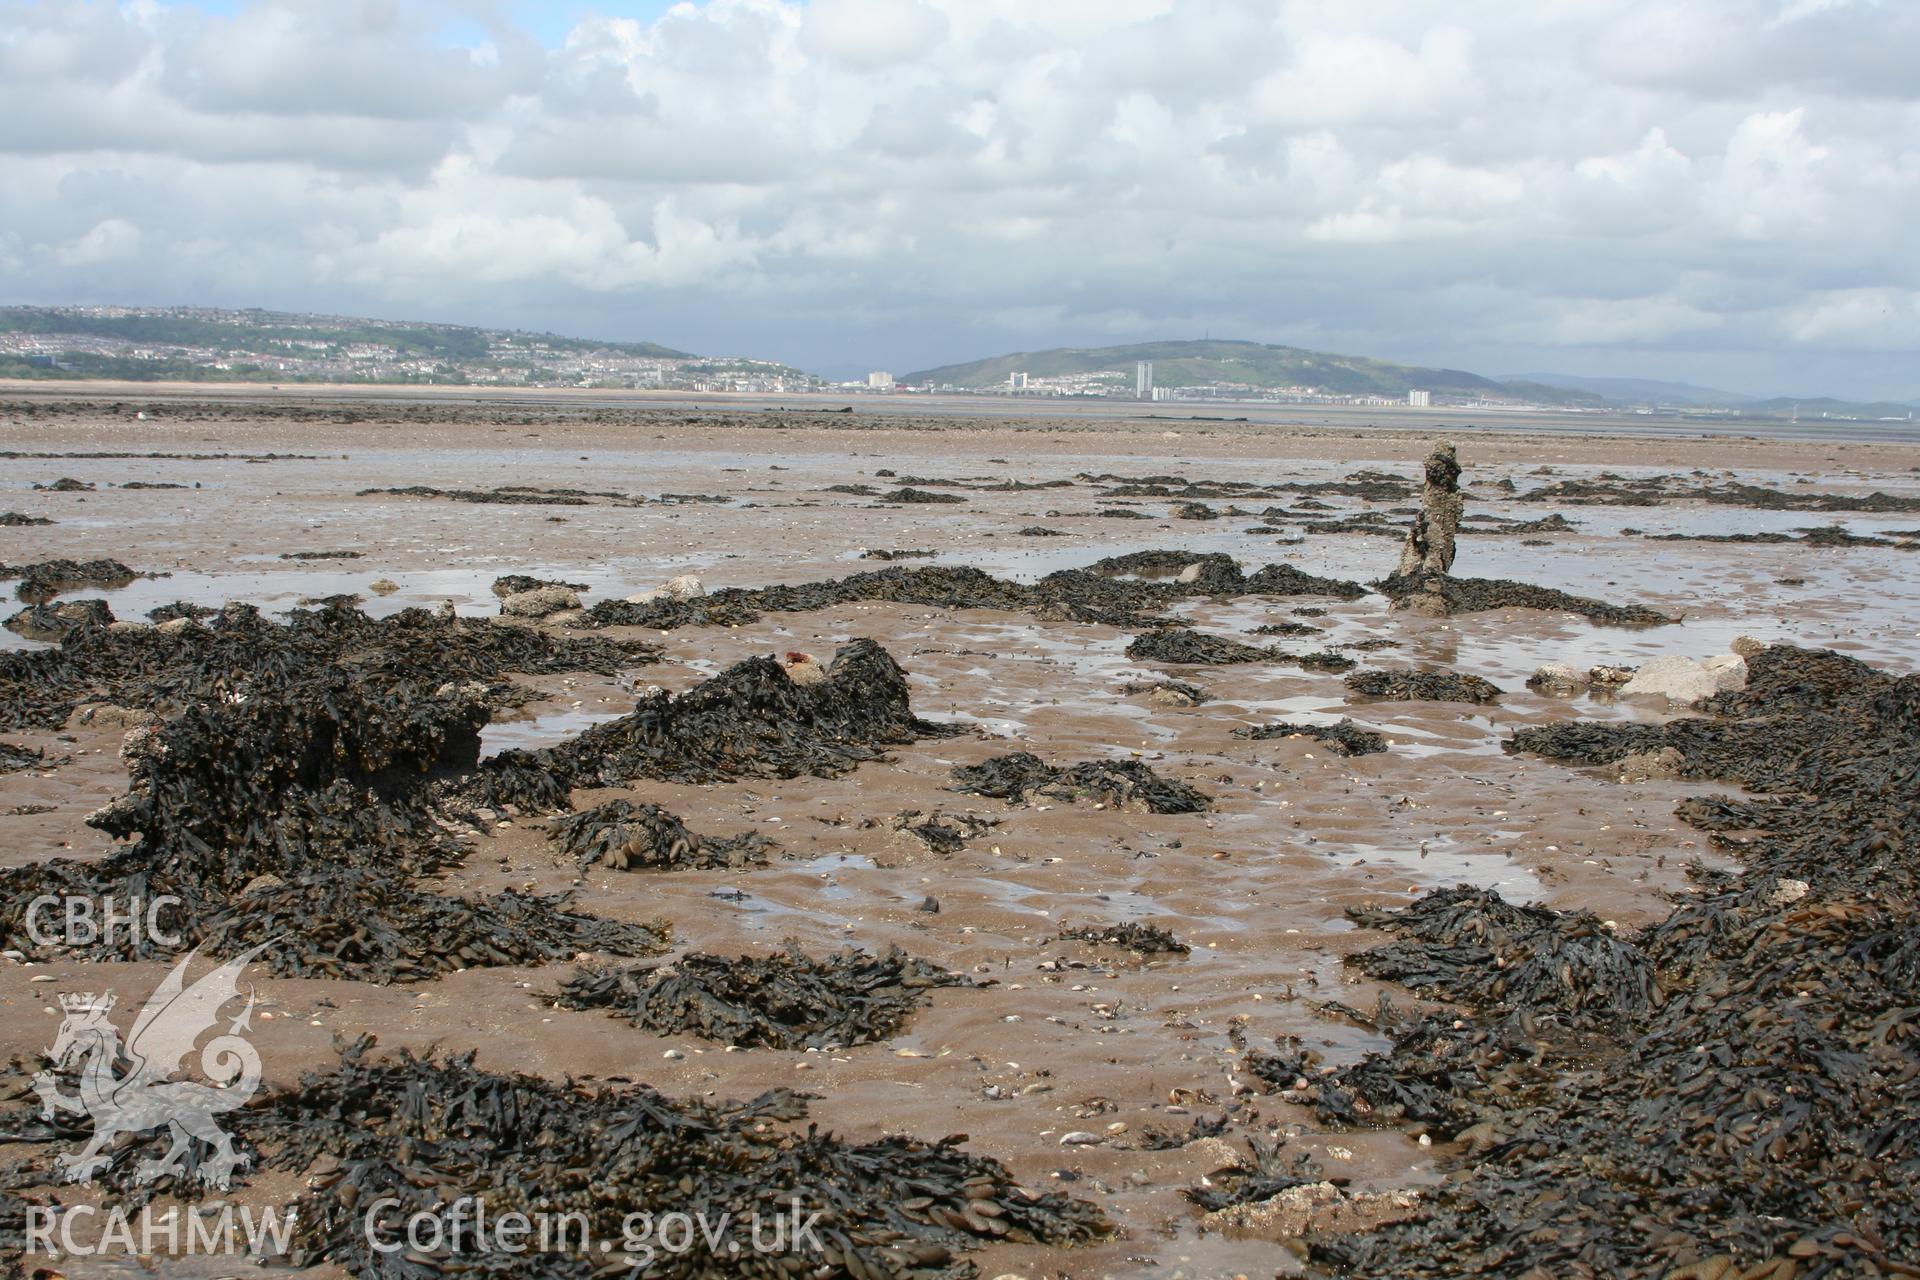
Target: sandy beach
223,494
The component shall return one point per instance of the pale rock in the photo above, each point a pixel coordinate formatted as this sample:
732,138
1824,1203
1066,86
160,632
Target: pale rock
1313,1207
1786,892
539,602
803,669
1676,678
1557,678
1644,765
1729,671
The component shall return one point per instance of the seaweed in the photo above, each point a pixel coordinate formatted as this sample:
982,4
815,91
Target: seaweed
1447,595
750,721
1422,686
787,1000
1106,591
1747,1114
910,495
436,1134
41,582
1145,939
628,836
1346,737
1129,784
1184,647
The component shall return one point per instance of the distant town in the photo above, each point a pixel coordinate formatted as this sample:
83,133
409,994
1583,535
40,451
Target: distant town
216,344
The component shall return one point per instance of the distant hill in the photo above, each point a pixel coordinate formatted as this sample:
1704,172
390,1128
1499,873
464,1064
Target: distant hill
215,344
1637,390
211,327
1214,362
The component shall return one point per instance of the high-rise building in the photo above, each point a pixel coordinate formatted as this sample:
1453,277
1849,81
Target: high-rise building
879,381
1016,382
1420,399
1143,380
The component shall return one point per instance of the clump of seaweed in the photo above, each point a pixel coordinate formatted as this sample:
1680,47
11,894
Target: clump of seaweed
1145,939
222,654
628,837
1346,737
942,832
1728,1127
436,1133
290,795
43,581
345,922
1122,784
513,584
1184,647
750,721
787,1000
1472,945
1128,591
1479,595
911,495
1422,686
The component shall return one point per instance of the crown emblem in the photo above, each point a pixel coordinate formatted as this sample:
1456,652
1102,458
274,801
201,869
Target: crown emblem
87,1003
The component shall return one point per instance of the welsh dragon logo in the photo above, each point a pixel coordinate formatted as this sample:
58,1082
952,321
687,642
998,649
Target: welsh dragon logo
145,1098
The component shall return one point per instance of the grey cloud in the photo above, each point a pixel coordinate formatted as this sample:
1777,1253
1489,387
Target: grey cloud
1617,185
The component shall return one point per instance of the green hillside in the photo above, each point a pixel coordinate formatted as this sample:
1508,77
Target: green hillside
246,330
1187,364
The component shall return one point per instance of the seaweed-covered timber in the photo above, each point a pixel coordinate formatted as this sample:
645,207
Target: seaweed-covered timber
1424,583
437,1132
750,721
41,582
629,836
1727,1093
1346,737
1422,686
787,1000
1099,593
218,654
1430,545
290,792
1122,784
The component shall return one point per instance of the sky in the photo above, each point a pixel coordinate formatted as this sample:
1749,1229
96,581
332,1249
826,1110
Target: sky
1722,191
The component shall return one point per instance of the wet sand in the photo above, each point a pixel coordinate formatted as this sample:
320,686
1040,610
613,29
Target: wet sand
1070,1036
